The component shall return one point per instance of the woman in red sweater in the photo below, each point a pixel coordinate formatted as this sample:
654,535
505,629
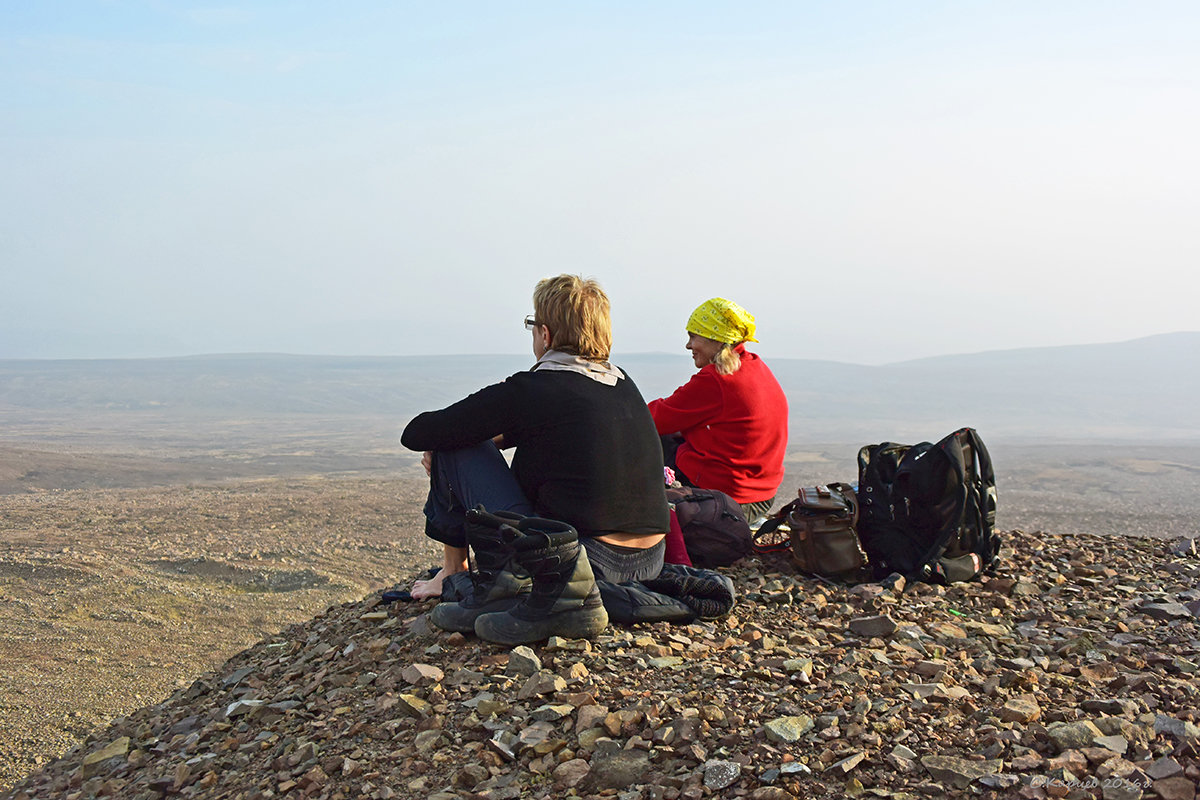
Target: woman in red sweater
726,428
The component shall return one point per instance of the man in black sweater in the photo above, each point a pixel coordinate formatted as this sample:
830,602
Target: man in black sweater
587,452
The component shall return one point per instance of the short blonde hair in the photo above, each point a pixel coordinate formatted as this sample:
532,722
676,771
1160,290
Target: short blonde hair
577,312
727,361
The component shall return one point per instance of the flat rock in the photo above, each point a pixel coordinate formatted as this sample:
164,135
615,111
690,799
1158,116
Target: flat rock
590,716
1166,611
617,771
986,628
1117,744
412,705
880,626
664,662
1178,788
571,773
787,730
1121,789
1165,767
422,674
1098,673
1184,547
1000,780
542,682
522,661
958,772
946,630
1178,728
1023,709
1074,735
721,774
845,765
93,762
1114,708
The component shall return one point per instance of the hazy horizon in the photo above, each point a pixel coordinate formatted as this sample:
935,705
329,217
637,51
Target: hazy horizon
617,354
1121,391
876,182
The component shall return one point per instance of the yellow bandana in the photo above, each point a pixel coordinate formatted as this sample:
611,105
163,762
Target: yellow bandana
723,321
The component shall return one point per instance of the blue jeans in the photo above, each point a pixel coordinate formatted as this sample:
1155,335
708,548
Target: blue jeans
463,479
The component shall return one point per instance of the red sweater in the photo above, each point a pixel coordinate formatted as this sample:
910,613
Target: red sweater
734,429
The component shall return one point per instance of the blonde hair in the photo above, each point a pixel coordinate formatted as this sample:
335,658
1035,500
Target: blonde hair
727,361
577,312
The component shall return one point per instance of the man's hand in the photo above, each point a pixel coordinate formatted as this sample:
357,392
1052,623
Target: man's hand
427,462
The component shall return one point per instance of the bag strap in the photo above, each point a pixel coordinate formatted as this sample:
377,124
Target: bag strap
952,448
924,565
763,541
984,514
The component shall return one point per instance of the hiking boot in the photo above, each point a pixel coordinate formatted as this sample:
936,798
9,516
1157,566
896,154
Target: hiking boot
494,583
563,601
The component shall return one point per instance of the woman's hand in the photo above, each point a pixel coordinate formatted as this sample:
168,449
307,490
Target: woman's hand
427,462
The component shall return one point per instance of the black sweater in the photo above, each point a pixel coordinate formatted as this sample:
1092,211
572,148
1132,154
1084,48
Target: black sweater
586,453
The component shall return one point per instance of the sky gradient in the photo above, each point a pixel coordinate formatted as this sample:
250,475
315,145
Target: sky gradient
874,181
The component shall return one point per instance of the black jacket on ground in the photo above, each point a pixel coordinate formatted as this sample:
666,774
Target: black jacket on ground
586,453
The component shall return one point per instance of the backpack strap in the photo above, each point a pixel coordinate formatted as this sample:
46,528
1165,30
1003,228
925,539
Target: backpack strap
766,540
956,449
983,497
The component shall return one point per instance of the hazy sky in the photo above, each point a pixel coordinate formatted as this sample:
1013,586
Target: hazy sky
874,181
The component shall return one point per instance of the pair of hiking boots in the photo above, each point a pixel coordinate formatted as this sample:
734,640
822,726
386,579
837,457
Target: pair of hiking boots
531,580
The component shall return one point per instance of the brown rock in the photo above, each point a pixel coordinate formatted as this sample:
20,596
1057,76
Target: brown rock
959,772
590,717
771,793
1165,767
422,674
92,762
570,773
846,764
1029,762
1178,788
946,630
1023,709
1098,673
880,626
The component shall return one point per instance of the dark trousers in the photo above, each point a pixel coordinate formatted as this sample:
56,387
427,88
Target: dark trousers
479,475
463,479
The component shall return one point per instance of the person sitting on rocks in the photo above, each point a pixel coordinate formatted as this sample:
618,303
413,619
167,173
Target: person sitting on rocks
727,427
584,497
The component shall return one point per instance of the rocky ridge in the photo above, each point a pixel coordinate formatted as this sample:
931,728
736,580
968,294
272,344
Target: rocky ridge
1072,673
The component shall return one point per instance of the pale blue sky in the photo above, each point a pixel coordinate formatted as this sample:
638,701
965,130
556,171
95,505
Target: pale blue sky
875,181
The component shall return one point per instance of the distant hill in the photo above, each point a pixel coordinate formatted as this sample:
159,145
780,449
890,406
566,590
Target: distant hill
1145,389
1137,390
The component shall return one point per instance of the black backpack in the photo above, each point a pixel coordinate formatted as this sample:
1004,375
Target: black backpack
928,511
714,529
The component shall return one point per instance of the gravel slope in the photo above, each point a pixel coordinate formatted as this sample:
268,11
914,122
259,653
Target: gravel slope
1071,672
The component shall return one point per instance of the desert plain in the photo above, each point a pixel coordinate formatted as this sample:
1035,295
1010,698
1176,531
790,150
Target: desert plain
137,553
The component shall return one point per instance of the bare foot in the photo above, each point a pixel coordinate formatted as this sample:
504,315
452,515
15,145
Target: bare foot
454,559
432,588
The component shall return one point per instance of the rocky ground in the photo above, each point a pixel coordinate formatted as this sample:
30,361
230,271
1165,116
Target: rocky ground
111,599
1069,673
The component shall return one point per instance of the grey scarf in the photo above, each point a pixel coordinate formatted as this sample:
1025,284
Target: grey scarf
600,371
